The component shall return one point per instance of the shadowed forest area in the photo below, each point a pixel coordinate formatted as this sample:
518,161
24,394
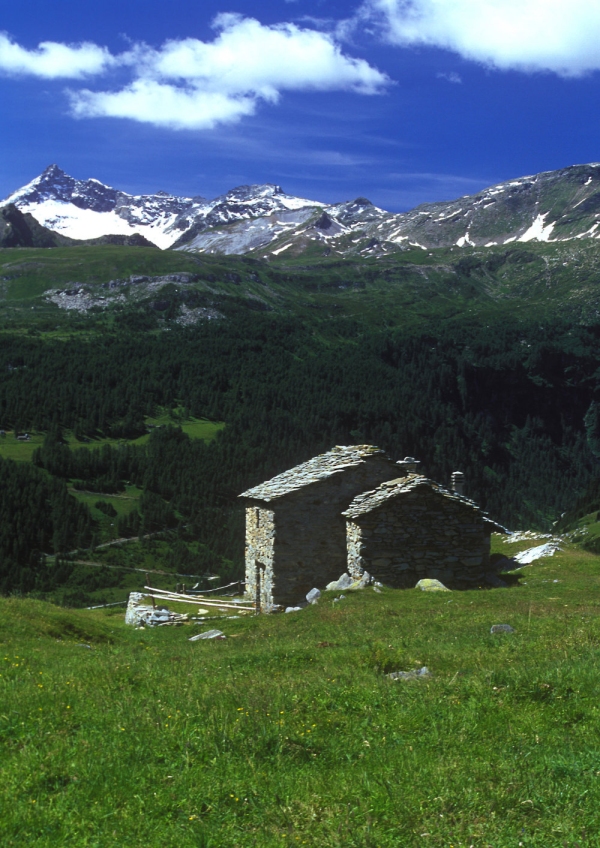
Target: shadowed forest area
512,404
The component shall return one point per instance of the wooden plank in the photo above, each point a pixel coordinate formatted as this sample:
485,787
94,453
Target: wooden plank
163,595
167,593
215,605
182,595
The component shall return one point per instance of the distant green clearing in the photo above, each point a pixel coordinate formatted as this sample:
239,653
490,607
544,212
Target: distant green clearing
10,448
195,428
122,505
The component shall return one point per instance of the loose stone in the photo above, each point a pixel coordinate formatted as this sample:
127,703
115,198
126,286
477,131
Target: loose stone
417,674
429,585
209,634
502,628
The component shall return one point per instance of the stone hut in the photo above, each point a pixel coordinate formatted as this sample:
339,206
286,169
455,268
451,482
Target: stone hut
410,528
295,530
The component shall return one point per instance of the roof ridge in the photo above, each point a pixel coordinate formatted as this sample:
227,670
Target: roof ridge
314,469
368,501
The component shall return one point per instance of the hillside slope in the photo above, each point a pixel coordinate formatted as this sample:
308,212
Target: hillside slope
289,732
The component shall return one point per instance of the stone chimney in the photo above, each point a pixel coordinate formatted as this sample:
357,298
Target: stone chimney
458,482
409,465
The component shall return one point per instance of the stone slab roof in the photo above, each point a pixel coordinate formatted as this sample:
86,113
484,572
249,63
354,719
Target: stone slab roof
369,501
318,468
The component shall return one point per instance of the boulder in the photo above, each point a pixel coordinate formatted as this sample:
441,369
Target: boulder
429,585
417,674
365,580
313,596
502,628
343,582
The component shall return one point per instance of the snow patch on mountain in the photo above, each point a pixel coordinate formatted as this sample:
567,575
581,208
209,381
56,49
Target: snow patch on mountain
86,209
77,223
262,218
539,230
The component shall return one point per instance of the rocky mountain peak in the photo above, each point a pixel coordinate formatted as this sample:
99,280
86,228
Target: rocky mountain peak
549,206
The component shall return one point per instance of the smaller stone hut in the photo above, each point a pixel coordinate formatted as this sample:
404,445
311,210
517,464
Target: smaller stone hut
410,528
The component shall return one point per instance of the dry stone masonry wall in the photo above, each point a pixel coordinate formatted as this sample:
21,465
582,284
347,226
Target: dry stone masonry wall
260,541
411,528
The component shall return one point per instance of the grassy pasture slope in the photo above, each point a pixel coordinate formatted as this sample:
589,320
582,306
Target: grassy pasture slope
411,286
288,732
28,272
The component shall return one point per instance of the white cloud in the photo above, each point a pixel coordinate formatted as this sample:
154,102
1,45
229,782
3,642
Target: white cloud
527,35
52,60
450,76
164,105
247,56
193,84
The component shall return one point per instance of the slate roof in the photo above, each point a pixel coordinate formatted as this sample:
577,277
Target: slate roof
368,501
318,468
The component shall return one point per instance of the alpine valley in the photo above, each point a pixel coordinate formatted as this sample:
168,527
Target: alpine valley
160,354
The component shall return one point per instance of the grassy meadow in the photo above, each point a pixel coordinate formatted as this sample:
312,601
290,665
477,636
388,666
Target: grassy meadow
289,733
195,428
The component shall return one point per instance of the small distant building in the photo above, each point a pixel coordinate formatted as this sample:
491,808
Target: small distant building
295,530
410,528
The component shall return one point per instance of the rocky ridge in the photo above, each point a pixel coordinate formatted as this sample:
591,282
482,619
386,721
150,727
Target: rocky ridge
263,220
88,209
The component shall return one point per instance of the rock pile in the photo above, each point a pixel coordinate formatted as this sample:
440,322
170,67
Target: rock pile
350,583
139,614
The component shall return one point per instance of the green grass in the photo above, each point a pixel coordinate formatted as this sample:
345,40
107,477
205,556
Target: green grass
10,448
195,428
28,272
289,733
122,504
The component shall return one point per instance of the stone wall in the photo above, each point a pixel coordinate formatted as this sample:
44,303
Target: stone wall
420,533
303,544
260,540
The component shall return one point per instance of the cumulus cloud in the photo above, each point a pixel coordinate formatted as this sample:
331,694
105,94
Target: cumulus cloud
52,60
247,56
161,104
527,35
195,84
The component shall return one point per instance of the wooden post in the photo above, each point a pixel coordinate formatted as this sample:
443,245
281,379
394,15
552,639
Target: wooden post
153,601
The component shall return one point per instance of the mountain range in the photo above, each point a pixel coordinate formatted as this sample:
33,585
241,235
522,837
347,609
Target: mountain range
264,221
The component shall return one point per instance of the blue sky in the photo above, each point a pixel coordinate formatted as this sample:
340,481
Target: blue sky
401,101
